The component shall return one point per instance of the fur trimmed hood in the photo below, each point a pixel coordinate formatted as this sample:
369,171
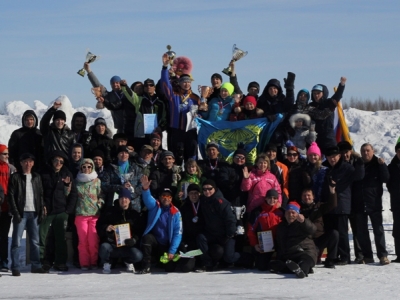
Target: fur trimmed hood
306,119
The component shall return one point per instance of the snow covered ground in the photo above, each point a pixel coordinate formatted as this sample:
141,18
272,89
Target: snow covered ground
373,281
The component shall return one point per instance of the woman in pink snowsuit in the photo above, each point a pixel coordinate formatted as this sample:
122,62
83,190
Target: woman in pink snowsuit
258,182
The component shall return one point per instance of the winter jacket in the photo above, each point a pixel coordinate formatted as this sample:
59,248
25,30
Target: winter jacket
292,240
25,140
303,136
54,138
153,105
6,170
81,137
281,172
393,185
186,179
17,194
219,219
274,105
115,215
218,109
324,128
74,166
258,185
211,167
179,103
113,182
174,220
344,175
295,179
263,218
103,142
314,177
58,197
191,229
229,181
315,211
164,178
367,193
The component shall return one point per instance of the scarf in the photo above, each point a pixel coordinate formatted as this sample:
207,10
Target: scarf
81,177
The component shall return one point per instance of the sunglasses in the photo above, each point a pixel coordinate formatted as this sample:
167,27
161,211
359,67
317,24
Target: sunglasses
292,154
56,160
86,167
240,157
207,189
5,154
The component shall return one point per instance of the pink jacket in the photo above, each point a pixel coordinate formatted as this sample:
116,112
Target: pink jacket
257,185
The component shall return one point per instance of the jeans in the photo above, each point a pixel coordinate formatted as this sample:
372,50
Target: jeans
129,255
28,221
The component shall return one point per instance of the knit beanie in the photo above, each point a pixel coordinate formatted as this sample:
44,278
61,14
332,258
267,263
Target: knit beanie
240,151
210,182
251,99
125,193
216,75
229,87
271,147
100,121
115,79
167,153
212,144
98,153
2,148
314,149
156,135
293,205
193,187
272,193
59,114
345,146
253,84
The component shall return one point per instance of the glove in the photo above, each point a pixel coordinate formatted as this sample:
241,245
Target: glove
130,242
17,218
289,81
271,118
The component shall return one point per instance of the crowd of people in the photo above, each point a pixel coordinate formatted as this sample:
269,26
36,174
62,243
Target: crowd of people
128,201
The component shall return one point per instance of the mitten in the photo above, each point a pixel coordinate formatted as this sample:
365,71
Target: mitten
289,81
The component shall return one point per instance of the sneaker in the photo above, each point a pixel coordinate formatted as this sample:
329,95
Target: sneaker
39,271
130,267
367,260
276,266
16,272
295,268
341,262
144,271
384,260
4,269
397,260
61,267
85,268
106,268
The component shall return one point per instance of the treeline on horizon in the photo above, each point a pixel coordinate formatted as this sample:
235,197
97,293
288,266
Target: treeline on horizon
371,105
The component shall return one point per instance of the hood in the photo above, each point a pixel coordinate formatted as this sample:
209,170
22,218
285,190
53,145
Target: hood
306,119
325,93
303,91
75,115
272,82
32,113
87,161
107,133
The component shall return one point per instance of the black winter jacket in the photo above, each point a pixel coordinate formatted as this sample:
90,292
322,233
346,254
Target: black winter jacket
58,197
229,181
191,229
219,219
367,193
393,184
17,196
54,138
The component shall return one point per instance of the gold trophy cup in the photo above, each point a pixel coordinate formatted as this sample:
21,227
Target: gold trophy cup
236,55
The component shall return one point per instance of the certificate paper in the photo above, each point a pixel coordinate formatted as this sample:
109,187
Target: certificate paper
266,241
150,123
122,232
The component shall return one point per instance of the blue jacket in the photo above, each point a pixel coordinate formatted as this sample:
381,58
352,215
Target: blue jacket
213,109
174,220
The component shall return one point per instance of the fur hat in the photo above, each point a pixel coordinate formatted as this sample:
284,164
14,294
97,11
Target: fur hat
306,119
182,65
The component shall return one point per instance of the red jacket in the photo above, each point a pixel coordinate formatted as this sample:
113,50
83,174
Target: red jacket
5,171
266,218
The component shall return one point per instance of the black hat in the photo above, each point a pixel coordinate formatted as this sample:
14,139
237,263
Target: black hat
332,151
98,152
271,147
125,193
210,182
58,153
100,121
240,149
122,149
166,190
253,84
397,146
59,114
121,136
272,193
345,146
193,187
167,153
217,76
26,155
148,81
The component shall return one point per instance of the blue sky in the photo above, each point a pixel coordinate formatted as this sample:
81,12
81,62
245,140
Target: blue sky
43,43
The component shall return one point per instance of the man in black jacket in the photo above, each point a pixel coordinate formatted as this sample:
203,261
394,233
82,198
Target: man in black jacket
60,195
25,197
57,135
27,138
217,240
121,213
367,196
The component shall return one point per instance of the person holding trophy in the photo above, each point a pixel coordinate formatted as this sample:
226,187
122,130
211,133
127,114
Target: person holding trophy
181,102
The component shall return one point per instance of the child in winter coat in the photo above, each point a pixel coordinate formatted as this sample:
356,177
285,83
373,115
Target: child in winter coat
192,174
90,200
247,111
304,132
